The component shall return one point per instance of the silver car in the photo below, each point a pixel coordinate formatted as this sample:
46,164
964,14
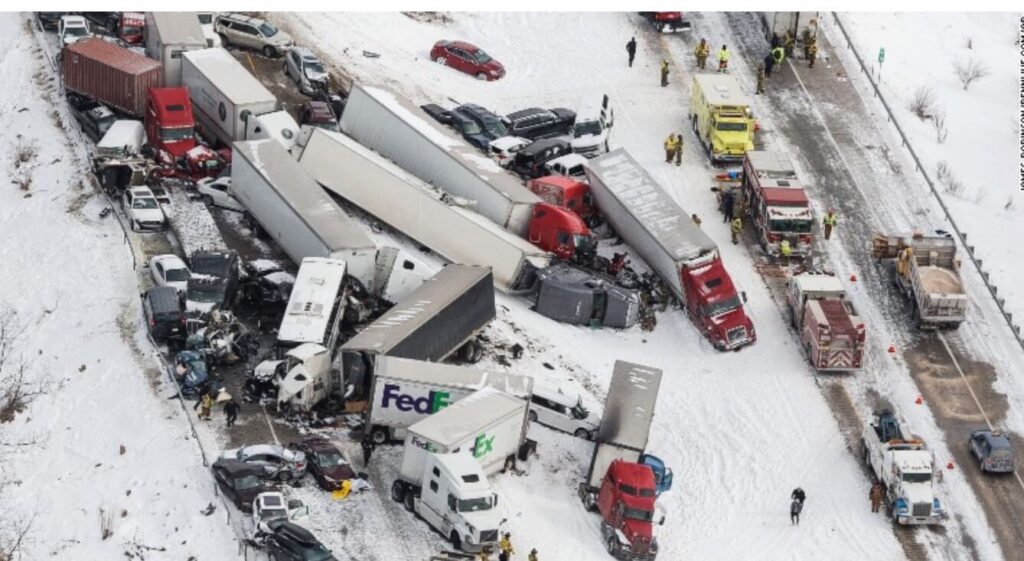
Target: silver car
992,450
276,461
252,33
305,69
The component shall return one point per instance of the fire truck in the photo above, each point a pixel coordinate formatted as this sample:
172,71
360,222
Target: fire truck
778,207
831,333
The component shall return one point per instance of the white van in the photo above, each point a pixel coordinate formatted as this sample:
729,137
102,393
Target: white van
594,120
558,410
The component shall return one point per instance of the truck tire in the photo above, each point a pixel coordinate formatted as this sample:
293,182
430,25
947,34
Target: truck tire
613,545
533,416
379,435
582,433
398,491
410,501
456,540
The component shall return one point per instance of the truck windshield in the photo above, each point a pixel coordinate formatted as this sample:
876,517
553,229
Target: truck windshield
206,296
476,504
917,477
722,307
586,128
794,226
75,31
731,127
175,134
638,514
268,30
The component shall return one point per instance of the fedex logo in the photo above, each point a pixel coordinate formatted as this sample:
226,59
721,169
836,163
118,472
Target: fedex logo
482,445
431,403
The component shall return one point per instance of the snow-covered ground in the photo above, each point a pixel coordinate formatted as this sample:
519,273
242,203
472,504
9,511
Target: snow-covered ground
740,429
106,438
981,147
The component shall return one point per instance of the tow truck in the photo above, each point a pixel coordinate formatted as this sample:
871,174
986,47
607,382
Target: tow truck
904,466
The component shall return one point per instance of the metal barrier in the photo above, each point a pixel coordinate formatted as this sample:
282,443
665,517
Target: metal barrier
1000,302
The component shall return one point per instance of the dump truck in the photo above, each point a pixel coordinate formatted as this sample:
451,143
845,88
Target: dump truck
926,272
831,333
376,185
776,202
618,464
441,317
675,248
394,127
406,391
904,466
168,34
721,117
96,69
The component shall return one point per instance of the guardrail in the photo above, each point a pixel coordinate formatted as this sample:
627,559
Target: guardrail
993,291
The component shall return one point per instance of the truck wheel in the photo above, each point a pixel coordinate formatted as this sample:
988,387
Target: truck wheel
379,435
456,540
398,491
207,200
533,417
612,545
269,52
589,502
410,501
582,433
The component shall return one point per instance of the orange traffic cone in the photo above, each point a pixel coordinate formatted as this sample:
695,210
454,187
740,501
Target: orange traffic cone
853,277
949,465
919,400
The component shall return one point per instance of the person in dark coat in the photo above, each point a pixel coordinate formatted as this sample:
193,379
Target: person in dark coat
769,64
631,50
728,200
231,409
798,495
367,445
794,511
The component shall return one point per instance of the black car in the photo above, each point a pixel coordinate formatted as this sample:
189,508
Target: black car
106,20
489,123
240,482
529,162
470,130
266,284
49,20
438,113
165,313
94,117
535,123
223,266
286,541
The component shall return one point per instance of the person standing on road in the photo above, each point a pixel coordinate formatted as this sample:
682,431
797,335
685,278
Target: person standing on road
205,404
664,73
876,496
785,250
728,201
505,547
760,78
829,222
631,50
788,42
671,144
769,64
701,52
794,511
812,54
798,495
778,55
367,446
679,149
533,555
231,409
723,59
737,227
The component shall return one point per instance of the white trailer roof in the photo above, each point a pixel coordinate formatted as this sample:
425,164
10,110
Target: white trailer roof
463,419
722,89
312,300
438,373
179,28
772,166
229,76
629,407
818,282
658,213
303,194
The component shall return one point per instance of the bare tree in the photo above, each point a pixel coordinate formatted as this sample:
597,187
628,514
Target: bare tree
939,124
922,102
950,183
17,388
967,71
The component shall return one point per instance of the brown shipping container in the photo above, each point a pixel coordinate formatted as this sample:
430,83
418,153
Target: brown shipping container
112,75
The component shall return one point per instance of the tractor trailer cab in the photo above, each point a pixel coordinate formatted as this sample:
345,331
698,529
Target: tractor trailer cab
170,125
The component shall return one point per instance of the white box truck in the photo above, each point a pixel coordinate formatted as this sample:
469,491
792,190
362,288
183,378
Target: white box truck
229,103
292,208
168,35
379,187
399,130
406,391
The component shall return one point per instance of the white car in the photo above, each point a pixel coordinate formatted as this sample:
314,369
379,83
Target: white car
72,29
143,210
170,270
503,150
214,192
570,165
563,412
272,506
305,69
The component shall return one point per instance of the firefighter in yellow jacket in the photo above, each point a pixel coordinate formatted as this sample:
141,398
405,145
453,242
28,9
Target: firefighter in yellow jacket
505,548
737,228
785,250
723,59
671,146
701,52
664,73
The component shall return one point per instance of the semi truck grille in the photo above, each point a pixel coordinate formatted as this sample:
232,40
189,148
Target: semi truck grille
922,509
641,546
488,536
737,334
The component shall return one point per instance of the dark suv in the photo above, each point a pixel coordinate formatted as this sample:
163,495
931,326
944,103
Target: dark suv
223,267
529,162
290,542
488,125
535,123
164,313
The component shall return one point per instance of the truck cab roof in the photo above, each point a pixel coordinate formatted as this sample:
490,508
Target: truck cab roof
722,90
462,467
173,108
818,283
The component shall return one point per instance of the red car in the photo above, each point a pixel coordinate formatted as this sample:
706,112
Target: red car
467,58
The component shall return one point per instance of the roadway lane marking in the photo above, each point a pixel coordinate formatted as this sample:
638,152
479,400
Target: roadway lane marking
270,424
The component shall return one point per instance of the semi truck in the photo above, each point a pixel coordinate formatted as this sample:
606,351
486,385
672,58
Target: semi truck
117,77
394,127
904,466
776,202
406,391
230,103
620,485
287,204
831,333
926,272
170,124
721,117
440,317
675,248
379,187
168,35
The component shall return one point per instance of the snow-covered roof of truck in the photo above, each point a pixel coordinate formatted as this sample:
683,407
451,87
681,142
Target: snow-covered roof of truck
629,406
303,194
232,79
658,213
414,310
440,373
770,165
312,300
471,158
818,282
179,28
462,419
722,89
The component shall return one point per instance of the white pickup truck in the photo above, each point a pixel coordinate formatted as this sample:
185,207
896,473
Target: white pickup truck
904,466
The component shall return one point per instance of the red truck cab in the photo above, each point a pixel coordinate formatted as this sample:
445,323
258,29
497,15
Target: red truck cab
130,27
565,192
560,231
170,125
778,206
626,503
715,306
